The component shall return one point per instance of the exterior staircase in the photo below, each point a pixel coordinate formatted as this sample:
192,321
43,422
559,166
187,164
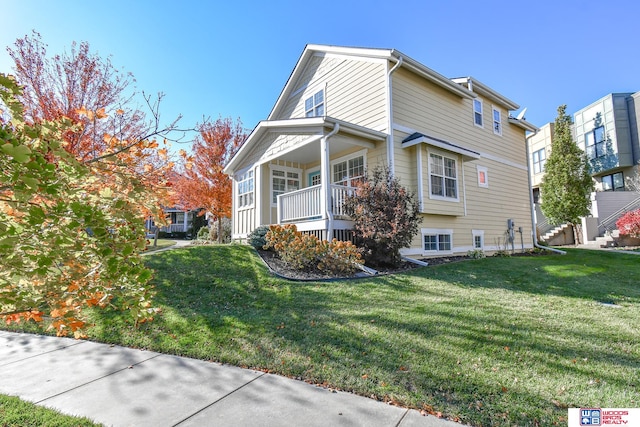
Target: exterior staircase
554,233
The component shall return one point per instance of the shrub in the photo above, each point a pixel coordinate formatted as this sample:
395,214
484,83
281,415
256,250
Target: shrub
307,252
257,237
629,224
203,233
226,231
476,254
386,217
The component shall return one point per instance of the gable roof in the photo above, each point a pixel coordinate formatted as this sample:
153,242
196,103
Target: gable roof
392,55
306,125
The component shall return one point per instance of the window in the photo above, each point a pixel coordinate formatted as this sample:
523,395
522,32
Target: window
477,112
314,105
614,182
483,177
478,239
283,181
497,121
443,176
437,241
595,143
245,189
539,159
348,172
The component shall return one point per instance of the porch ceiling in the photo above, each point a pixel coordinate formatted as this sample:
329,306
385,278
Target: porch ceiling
309,151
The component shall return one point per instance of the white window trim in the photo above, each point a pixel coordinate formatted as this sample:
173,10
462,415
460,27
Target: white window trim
285,169
435,231
541,163
486,176
474,234
307,172
238,180
361,153
493,120
473,109
456,158
315,106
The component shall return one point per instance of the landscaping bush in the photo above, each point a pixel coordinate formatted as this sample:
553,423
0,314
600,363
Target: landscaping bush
257,237
386,217
629,224
226,231
307,252
203,233
476,254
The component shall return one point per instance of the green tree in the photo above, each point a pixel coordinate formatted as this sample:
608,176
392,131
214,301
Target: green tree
567,183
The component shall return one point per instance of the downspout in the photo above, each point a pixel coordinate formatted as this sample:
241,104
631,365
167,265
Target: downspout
532,205
390,155
326,173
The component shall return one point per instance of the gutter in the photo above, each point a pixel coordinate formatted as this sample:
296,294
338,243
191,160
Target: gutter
390,155
532,205
325,180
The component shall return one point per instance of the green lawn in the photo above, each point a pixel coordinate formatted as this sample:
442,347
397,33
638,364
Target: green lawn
18,413
162,243
495,341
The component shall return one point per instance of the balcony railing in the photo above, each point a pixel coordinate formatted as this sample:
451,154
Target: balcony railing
305,204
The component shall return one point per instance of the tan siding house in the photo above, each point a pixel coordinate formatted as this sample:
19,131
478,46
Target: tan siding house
343,110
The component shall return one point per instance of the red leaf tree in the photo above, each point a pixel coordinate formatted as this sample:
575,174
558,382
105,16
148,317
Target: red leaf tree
80,172
202,184
629,224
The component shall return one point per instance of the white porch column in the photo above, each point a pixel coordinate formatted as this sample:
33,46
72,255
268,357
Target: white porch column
324,177
185,223
325,180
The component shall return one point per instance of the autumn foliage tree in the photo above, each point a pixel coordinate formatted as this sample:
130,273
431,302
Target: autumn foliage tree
202,184
386,217
71,84
629,224
80,172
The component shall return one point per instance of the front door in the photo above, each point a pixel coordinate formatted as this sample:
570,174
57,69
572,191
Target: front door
314,178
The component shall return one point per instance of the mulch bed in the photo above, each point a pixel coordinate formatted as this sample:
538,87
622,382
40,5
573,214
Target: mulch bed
277,266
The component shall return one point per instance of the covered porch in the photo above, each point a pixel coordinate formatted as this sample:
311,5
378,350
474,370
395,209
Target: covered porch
311,192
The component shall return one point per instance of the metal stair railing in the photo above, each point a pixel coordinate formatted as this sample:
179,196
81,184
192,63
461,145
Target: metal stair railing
609,223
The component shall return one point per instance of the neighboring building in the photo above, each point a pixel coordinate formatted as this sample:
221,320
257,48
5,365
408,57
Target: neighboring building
607,131
180,221
344,110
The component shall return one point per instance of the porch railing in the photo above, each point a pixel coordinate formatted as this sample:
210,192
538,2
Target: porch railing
305,204
173,228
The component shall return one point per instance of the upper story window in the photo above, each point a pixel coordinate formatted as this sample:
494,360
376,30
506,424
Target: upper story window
283,181
483,176
314,105
539,159
613,182
444,181
245,189
595,142
477,112
348,172
497,121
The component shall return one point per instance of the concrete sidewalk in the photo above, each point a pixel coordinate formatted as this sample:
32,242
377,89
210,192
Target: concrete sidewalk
125,387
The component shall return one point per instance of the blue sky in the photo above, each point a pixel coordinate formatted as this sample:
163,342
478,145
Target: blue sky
232,59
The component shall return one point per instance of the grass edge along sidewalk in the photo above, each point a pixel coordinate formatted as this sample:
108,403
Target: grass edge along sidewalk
495,341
